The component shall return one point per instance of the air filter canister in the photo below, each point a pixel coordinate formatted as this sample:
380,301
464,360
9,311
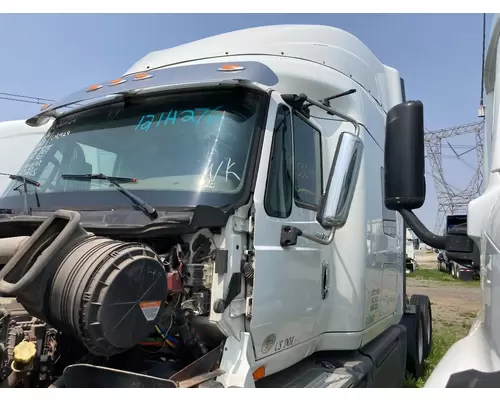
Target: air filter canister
108,294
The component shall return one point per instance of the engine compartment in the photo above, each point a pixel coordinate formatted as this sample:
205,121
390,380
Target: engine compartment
73,301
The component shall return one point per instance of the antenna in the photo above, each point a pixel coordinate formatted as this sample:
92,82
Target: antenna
481,111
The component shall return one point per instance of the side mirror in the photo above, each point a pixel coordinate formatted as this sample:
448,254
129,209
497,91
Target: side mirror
404,184
404,157
336,201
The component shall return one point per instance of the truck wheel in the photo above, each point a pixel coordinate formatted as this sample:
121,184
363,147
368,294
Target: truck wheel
415,324
425,304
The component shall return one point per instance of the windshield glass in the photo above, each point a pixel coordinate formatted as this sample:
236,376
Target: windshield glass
182,150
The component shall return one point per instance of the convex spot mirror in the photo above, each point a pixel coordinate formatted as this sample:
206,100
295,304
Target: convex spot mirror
404,160
336,202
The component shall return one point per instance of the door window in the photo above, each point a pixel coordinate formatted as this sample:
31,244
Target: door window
279,189
307,164
295,166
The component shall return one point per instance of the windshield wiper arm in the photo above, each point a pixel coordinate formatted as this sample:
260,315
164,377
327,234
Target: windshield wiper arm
21,178
25,182
114,180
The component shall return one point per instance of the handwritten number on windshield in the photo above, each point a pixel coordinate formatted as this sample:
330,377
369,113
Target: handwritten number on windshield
173,116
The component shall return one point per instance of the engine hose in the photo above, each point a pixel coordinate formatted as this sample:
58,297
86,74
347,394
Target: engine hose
199,343
248,272
190,337
9,247
69,221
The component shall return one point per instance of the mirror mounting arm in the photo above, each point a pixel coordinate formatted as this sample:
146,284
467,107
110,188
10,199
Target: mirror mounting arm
331,111
458,246
426,236
290,234
324,240
298,102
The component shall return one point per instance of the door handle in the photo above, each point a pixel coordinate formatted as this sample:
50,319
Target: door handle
325,280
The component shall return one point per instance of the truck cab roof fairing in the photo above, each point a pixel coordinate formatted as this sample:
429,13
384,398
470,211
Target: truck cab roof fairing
254,72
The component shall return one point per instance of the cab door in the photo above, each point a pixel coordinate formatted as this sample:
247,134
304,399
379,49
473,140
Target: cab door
288,281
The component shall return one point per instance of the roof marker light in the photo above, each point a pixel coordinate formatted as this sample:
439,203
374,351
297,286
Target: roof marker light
44,106
141,76
231,68
115,82
94,88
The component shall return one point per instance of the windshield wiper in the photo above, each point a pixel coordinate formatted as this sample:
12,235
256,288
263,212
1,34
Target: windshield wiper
148,210
21,178
25,182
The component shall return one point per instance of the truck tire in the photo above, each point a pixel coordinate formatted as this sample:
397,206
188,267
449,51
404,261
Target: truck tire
414,324
425,303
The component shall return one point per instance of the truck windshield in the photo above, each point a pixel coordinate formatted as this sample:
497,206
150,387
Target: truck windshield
177,150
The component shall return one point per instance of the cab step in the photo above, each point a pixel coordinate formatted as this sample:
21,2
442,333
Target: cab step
381,363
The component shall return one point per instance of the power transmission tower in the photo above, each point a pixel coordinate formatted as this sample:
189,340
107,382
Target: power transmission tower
452,200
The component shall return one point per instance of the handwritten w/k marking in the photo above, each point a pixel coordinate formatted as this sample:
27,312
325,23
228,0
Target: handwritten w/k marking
211,178
186,116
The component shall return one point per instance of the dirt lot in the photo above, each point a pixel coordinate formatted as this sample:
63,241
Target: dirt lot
453,302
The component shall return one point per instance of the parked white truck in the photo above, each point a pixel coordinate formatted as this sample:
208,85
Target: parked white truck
411,261
475,360
215,217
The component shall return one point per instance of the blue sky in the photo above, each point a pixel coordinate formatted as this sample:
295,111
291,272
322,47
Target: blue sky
438,55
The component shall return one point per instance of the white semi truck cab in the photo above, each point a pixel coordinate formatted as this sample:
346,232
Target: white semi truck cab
216,217
475,360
